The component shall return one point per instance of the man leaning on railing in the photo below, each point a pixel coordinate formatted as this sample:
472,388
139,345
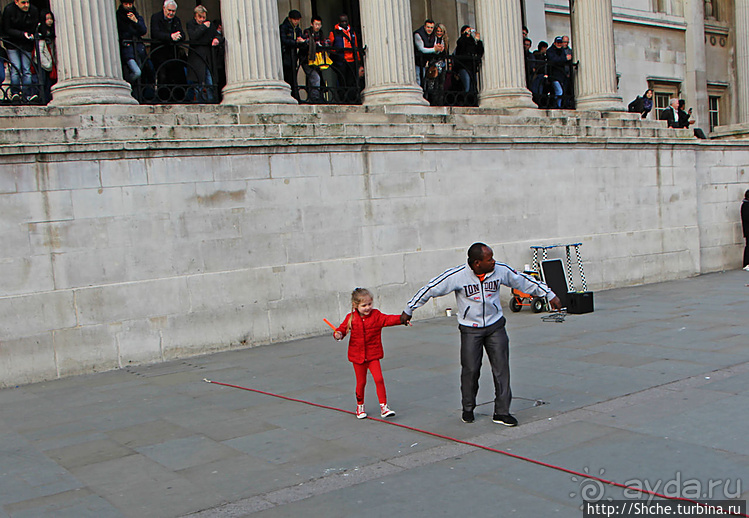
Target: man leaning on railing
20,22
203,37
130,27
167,57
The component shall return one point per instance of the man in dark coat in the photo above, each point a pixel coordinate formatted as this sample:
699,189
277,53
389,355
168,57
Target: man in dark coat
348,63
468,53
745,227
166,29
203,38
557,59
291,41
425,47
20,21
130,28
674,116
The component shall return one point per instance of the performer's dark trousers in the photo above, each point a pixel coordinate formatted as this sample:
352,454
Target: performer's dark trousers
746,252
473,341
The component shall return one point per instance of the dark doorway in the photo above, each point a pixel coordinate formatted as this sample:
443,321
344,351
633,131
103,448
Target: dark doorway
329,10
42,5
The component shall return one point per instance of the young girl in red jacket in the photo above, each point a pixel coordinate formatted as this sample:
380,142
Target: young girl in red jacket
365,346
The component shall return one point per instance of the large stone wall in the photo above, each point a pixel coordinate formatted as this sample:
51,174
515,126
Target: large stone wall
140,256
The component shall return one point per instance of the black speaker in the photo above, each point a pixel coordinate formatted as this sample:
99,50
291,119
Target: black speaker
580,302
552,271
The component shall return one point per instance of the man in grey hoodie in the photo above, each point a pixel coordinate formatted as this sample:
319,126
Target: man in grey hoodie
482,324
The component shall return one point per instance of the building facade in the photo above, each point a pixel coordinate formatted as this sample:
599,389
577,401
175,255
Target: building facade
138,234
691,49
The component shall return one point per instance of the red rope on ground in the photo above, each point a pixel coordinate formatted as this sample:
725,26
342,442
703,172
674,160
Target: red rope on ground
475,445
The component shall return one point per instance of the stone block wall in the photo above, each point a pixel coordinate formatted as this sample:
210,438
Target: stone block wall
112,258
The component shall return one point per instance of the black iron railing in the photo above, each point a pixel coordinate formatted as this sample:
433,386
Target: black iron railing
541,76
175,73
24,79
452,81
339,80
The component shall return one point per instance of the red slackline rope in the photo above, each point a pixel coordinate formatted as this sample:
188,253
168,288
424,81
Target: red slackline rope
475,445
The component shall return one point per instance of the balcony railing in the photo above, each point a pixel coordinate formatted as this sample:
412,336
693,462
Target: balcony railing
175,73
540,77
452,81
335,81
17,88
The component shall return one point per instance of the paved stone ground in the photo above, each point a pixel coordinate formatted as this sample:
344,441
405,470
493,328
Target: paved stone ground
652,389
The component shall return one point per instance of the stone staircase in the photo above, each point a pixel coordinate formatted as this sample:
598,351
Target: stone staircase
30,129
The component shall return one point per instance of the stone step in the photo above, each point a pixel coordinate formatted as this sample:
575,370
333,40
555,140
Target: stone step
33,116
28,125
229,132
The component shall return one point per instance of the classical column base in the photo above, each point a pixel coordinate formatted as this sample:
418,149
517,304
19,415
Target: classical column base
600,103
519,98
396,95
258,92
83,91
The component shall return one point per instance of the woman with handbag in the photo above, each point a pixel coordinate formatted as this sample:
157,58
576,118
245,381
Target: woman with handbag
47,53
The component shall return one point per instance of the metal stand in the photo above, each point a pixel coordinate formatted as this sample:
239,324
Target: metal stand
578,258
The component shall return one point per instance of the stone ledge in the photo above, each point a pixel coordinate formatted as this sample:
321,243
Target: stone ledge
51,129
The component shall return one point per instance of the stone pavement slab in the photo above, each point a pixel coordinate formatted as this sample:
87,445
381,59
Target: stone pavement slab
651,388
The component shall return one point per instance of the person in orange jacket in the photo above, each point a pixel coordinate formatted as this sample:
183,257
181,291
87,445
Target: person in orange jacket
365,351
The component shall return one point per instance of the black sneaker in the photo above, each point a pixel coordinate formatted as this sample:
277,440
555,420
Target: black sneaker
506,420
467,416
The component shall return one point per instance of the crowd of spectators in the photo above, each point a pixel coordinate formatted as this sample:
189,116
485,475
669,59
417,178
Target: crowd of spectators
177,64
193,60
443,75
28,52
332,63
189,65
549,72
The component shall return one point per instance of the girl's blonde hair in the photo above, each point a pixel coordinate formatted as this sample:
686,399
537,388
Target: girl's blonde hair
442,27
357,296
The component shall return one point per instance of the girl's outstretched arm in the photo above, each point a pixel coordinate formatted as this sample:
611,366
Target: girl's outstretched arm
341,331
393,320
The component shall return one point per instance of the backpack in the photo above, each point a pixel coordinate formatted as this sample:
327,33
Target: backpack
635,106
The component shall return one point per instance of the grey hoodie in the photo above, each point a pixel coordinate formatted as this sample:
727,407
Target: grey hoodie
478,302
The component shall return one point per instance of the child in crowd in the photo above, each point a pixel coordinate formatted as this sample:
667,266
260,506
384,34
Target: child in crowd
365,346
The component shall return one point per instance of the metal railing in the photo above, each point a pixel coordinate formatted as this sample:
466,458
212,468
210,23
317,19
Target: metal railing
452,81
18,88
174,73
341,82
540,78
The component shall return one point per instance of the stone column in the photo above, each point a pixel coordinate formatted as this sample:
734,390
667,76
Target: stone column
503,67
254,73
390,64
742,60
695,81
593,46
88,55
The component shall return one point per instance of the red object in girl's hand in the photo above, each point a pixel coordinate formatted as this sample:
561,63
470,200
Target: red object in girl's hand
327,322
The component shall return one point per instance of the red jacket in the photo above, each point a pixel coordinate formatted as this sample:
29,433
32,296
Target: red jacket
365,343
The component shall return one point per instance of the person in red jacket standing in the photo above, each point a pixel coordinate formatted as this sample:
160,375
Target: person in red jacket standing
365,324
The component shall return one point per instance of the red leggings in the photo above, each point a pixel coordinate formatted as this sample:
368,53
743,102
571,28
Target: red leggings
361,380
